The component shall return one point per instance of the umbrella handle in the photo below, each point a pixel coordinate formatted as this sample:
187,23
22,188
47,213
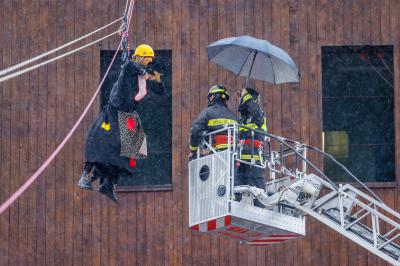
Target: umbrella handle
249,83
252,63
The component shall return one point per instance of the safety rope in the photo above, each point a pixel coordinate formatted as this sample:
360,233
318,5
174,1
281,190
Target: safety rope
38,172
124,34
18,73
379,73
365,60
24,63
380,57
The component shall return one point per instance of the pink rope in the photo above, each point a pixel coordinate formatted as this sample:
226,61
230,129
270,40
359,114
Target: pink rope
38,172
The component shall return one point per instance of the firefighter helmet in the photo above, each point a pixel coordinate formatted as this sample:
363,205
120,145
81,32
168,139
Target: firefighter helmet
220,91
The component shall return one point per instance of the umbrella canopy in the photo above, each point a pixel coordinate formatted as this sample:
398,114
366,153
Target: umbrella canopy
254,58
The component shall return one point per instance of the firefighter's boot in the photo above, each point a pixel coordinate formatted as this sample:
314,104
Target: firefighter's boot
85,182
107,188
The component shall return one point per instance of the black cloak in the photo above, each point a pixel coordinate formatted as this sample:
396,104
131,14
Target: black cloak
103,143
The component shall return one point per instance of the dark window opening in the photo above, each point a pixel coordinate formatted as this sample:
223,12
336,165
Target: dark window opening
358,111
156,115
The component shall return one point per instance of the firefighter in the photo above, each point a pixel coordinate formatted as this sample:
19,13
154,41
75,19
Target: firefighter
116,138
213,117
253,117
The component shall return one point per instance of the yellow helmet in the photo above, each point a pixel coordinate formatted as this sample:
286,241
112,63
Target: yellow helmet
144,50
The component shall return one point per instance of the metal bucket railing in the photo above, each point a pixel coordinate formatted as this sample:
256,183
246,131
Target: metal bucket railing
281,157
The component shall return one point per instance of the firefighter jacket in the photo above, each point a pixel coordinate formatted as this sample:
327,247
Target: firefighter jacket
214,117
253,117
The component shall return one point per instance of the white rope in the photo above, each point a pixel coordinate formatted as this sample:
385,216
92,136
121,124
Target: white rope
53,59
126,6
130,12
7,70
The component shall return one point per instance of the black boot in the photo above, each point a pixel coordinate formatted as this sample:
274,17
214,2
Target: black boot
107,189
85,182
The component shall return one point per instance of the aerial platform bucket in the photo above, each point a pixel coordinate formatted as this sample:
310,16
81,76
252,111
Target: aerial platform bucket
213,210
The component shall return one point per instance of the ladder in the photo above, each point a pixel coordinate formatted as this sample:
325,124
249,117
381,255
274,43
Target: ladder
353,214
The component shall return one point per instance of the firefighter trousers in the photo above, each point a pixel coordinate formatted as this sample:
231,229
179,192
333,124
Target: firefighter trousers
252,176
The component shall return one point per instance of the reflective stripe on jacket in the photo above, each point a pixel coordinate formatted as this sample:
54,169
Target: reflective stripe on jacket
212,118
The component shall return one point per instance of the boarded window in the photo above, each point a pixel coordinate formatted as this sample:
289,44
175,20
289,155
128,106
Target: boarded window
358,114
156,116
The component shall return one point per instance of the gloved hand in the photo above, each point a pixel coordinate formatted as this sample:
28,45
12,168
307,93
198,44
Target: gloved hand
154,74
157,76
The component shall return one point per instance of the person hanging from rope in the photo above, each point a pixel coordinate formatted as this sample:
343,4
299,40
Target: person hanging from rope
253,117
213,117
116,139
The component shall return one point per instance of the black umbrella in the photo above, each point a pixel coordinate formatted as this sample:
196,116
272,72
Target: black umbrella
254,59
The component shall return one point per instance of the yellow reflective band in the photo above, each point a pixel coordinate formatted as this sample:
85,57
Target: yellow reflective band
264,125
221,146
251,125
254,126
248,157
220,121
247,97
106,126
192,148
216,88
219,90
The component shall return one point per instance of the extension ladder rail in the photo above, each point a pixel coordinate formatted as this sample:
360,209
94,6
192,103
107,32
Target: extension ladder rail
359,217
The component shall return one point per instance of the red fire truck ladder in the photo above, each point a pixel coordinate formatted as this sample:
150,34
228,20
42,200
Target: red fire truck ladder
297,188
